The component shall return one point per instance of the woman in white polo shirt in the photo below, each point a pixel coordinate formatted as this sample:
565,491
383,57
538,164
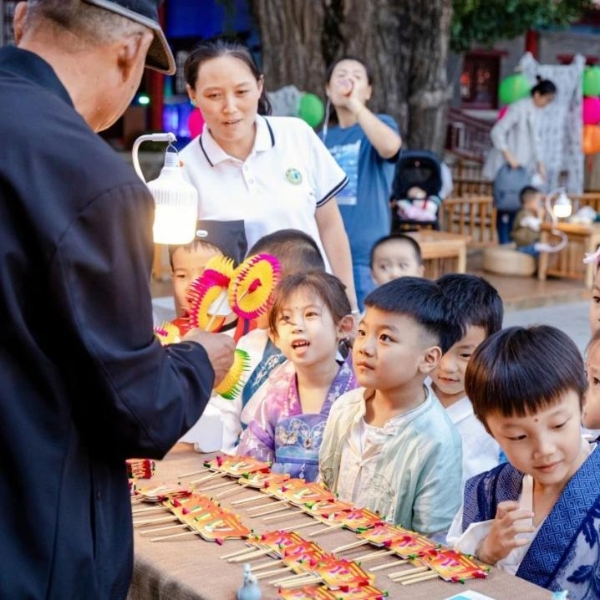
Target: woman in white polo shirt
272,172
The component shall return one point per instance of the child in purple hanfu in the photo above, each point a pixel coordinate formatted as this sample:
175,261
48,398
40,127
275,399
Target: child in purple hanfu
310,318
537,516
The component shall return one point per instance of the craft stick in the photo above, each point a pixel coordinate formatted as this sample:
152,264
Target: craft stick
419,578
245,500
256,554
270,512
238,552
277,517
388,565
208,477
327,529
373,555
301,526
350,546
174,535
407,574
271,572
265,505
155,529
153,521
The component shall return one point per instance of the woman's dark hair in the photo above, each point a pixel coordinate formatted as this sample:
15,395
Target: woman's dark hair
327,287
543,87
207,50
521,370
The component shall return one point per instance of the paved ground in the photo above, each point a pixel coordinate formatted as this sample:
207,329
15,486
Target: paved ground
570,318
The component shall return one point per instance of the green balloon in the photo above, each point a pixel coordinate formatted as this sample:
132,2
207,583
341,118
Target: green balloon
591,81
311,109
513,88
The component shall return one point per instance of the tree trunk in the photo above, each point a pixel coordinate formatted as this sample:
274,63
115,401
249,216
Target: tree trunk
404,43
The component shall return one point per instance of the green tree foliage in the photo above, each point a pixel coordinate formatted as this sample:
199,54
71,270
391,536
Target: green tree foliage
482,22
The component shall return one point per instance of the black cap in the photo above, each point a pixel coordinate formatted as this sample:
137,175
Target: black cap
160,58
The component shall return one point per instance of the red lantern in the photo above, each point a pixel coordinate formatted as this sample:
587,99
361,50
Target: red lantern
591,111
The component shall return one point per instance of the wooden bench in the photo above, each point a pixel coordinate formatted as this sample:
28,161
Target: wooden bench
473,216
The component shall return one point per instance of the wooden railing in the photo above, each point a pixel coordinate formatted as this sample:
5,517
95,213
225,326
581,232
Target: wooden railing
466,136
472,215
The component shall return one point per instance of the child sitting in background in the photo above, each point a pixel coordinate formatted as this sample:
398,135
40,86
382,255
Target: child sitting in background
389,445
395,255
188,261
481,310
539,514
526,227
308,320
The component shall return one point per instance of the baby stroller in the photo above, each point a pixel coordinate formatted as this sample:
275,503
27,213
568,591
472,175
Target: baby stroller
416,188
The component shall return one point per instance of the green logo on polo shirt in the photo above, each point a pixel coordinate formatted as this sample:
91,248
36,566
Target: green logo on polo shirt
293,176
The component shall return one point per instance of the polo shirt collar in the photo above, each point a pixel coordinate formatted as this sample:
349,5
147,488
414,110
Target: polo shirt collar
264,140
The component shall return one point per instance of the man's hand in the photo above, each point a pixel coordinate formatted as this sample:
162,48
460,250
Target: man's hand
219,348
502,538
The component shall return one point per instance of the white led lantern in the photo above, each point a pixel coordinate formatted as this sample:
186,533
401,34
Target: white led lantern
176,200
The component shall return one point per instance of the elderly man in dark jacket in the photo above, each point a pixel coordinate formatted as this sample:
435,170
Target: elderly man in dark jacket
85,383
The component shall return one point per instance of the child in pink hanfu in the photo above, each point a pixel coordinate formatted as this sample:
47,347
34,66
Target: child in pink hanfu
310,317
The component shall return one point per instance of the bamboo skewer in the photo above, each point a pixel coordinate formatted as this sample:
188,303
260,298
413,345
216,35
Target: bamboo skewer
249,499
419,578
373,555
174,535
237,552
388,565
272,572
208,477
301,526
155,529
265,505
270,563
216,487
295,577
278,517
327,529
350,546
191,473
230,492
154,521
407,574
270,512
300,583
255,554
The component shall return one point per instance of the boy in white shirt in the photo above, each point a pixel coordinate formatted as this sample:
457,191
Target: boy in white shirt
481,309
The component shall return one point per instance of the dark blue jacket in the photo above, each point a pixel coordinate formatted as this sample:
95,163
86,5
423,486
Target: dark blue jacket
84,384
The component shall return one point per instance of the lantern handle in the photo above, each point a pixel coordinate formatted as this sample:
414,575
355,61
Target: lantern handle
150,137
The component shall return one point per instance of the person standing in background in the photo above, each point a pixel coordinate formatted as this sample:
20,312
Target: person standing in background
272,172
366,146
85,382
516,143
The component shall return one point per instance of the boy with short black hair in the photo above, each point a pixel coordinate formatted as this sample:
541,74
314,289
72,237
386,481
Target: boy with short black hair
538,515
395,255
389,445
481,309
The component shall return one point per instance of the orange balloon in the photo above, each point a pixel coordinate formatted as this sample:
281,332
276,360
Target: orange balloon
591,139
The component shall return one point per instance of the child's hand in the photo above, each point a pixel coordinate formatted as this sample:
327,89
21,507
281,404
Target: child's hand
502,538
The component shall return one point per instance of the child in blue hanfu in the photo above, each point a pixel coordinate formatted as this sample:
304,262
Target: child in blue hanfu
310,317
537,516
